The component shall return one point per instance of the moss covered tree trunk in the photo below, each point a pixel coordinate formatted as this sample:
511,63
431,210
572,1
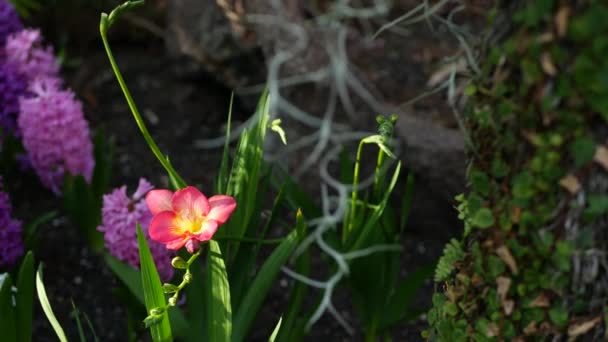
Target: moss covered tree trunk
532,264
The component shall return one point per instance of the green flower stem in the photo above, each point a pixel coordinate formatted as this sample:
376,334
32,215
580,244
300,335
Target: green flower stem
377,175
186,279
106,22
353,196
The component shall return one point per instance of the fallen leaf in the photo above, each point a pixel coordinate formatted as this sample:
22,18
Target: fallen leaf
503,284
546,37
531,328
547,64
561,21
601,156
570,183
541,301
493,330
506,256
516,214
476,280
582,328
508,306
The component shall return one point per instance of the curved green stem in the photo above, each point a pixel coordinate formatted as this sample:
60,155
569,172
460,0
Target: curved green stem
186,279
353,196
106,22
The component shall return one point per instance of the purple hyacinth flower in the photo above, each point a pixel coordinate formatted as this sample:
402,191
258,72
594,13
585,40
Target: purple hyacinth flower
25,52
9,21
120,214
12,86
11,240
55,133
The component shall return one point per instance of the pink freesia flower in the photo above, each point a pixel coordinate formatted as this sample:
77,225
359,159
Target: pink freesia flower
186,217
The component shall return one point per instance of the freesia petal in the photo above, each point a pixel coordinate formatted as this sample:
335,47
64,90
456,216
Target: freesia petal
222,207
177,243
209,228
163,228
159,200
190,202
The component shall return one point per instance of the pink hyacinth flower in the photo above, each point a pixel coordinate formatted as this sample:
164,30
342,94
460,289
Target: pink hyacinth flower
186,217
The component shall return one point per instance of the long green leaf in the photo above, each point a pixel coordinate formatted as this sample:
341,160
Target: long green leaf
153,291
219,310
7,311
262,284
46,306
25,298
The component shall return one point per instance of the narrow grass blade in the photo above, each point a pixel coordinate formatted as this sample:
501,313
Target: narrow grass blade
46,306
408,197
219,309
76,315
262,284
223,176
153,291
273,336
7,311
25,298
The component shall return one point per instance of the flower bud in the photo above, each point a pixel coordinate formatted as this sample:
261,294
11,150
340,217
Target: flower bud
187,278
179,263
156,311
169,288
172,301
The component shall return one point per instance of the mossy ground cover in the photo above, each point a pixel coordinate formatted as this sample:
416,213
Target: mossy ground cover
532,260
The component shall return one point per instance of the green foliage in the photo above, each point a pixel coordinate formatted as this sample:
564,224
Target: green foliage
154,297
582,150
535,116
25,299
262,283
82,201
217,296
7,323
46,306
452,253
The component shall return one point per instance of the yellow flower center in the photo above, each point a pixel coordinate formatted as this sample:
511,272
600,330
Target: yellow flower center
193,225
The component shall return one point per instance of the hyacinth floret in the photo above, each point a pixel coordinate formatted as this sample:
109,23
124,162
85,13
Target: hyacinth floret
24,50
12,86
11,239
55,133
9,21
120,214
